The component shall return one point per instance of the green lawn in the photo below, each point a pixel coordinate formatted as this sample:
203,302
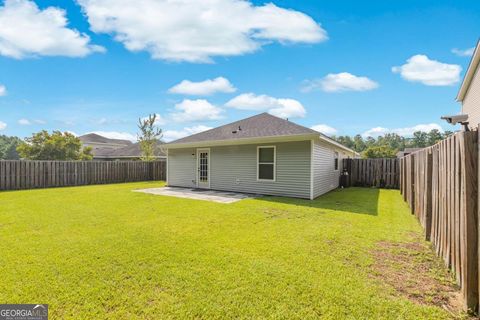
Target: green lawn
106,252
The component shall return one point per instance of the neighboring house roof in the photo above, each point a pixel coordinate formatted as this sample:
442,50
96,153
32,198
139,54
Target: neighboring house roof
106,148
467,79
96,138
134,151
257,127
407,151
410,150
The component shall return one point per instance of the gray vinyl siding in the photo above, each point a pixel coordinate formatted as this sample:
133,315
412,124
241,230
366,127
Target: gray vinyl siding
181,167
234,168
471,101
325,177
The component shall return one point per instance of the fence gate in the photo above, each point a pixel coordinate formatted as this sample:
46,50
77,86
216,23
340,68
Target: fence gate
380,173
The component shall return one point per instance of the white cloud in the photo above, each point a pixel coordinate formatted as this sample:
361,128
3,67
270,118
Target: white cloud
420,68
323,128
116,135
27,122
196,110
463,53
283,108
3,125
27,31
3,90
197,31
72,132
339,82
170,135
203,88
406,132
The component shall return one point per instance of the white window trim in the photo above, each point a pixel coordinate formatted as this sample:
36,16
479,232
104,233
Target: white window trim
338,160
274,163
198,164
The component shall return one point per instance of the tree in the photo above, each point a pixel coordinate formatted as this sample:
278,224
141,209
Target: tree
359,144
434,136
149,137
392,140
345,140
379,152
54,146
8,147
420,139
447,134
388,144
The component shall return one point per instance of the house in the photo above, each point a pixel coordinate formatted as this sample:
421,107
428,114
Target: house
107,149
469,93
262,154
133,152
102,146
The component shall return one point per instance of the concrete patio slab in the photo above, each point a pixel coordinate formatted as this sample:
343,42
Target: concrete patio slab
199,194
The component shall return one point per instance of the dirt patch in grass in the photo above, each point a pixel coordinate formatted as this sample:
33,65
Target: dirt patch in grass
414,272
273,213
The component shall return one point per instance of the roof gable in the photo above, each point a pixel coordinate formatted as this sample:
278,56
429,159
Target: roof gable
262,125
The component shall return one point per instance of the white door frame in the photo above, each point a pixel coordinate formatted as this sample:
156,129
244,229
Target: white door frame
199,184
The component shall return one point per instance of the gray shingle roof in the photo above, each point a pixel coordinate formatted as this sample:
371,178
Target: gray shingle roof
96,138
262,125
134,151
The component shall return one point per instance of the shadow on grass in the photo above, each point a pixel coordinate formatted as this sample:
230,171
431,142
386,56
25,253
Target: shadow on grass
354,200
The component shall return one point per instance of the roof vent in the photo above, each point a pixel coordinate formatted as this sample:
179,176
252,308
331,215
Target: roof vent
235,131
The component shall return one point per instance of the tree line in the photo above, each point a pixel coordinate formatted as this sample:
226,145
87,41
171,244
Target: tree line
388,145
66,146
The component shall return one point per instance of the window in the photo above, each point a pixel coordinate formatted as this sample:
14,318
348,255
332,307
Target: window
335,160
266,163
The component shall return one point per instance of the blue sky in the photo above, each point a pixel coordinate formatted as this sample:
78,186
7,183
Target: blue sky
346,67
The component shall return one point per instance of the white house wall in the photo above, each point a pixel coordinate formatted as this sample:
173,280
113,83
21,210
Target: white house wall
234,168
471,101
325,177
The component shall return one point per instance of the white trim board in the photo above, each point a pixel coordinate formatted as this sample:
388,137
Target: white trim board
274,163
209,167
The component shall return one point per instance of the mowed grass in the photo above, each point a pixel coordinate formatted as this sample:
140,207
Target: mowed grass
105,252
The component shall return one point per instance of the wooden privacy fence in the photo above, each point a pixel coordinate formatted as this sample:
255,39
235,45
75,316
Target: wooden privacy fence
440,185
19,174
381,173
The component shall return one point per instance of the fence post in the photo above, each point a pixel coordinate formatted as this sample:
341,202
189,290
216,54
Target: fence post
412,183
470,201
428,195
